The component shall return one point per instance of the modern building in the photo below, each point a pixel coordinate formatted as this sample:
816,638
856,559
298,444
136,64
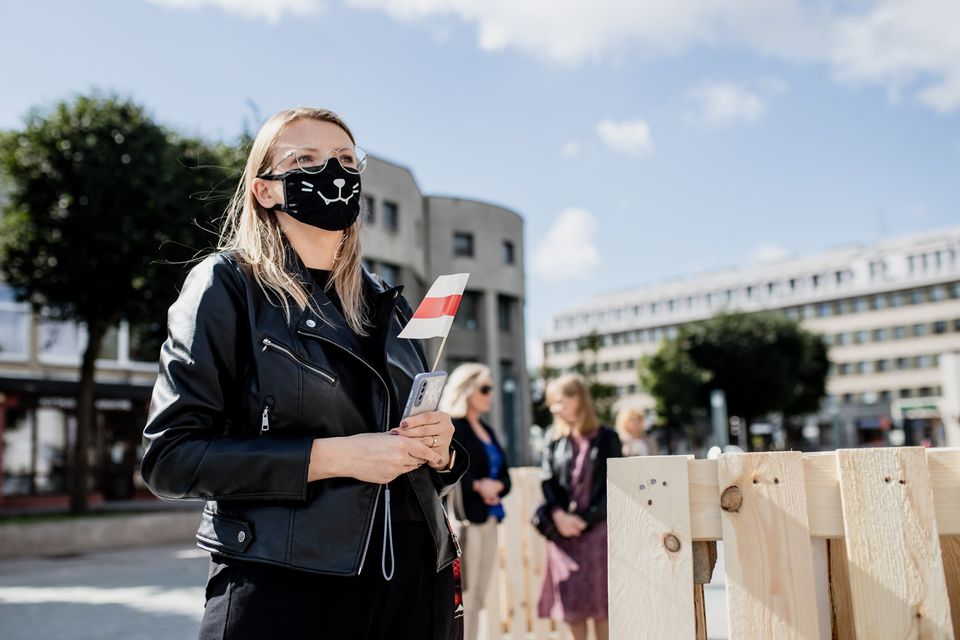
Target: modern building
888,312
408,238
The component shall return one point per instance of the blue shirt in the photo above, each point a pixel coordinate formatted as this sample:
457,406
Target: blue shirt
496,462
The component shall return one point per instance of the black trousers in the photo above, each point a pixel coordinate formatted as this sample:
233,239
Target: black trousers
250,600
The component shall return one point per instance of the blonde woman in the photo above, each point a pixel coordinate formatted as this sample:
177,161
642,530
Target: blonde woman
631,427
275,404
467,396
575,491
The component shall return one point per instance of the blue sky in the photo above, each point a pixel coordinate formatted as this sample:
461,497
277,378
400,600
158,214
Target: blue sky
639,140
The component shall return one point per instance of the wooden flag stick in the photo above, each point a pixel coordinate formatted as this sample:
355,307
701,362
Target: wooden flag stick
439,353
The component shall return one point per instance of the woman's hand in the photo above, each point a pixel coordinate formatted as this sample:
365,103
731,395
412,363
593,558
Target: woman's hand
489,490
370,457
434,430
569,525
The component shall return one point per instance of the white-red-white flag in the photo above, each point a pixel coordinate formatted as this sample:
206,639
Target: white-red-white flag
434,317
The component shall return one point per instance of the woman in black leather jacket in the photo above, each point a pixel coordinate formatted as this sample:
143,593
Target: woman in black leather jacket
278,403
575,492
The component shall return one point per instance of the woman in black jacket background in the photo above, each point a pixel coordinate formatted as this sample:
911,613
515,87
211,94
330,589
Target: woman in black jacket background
467,395
575,491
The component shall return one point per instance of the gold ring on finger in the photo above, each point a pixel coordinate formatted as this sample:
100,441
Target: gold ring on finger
434,442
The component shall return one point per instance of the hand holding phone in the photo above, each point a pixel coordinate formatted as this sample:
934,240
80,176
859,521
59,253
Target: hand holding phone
424,393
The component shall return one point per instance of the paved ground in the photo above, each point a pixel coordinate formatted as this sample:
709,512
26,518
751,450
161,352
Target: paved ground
150,594
145,594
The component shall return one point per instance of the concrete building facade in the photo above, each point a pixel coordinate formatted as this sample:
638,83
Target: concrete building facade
889,311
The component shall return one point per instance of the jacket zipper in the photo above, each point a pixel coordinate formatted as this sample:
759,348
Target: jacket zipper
268,343
366,544
265,419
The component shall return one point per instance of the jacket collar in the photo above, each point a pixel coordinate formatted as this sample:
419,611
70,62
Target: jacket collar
333,326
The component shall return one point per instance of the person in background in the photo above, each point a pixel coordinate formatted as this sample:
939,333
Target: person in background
468,395
575,489
631,427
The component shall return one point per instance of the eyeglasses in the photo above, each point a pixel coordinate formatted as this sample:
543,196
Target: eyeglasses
485,389
313,160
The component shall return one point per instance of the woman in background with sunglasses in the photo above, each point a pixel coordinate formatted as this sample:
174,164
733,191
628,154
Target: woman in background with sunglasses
467,396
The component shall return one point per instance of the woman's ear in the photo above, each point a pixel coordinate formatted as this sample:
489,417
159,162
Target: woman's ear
265,193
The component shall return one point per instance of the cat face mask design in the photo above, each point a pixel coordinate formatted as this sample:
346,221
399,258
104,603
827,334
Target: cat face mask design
329,199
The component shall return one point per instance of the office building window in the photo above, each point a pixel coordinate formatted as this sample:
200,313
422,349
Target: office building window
14,326
508,257
860,305
896,299
882,365
924,362
878,268
879,335
824,310
899,332
505,306
920,330
938,293
940,327
369,209
793,285
468,314
879,302
885,396
902,363
462,244
906,393
391,216
924,392
815,280
918,296
860,337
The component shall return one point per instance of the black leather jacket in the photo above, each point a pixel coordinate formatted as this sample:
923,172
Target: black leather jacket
557,468
241,395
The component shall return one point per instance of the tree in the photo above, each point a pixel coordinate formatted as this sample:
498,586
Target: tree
764,363
96,189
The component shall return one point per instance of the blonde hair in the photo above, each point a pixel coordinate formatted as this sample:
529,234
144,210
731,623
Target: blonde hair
573,385
624,417
253,233
461,384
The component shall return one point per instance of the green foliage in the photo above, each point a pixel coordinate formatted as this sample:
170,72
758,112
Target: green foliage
604,395
764,363
104,208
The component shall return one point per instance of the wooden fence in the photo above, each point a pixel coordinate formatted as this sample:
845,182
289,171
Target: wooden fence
858,543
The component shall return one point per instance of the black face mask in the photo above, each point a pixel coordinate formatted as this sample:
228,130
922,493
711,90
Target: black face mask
328,200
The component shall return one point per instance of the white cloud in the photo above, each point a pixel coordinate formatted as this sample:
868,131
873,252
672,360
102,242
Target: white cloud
908,46
724,103
631,137
767,252
571,149
272,10
569,249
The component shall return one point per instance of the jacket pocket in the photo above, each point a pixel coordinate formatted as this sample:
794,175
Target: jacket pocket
273,345
220,532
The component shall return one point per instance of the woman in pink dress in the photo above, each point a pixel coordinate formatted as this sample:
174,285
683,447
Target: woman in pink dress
575,488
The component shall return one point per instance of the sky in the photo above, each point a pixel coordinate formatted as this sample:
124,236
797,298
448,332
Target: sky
639,140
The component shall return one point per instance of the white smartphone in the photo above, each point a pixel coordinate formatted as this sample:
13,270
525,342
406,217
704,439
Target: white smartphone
425,393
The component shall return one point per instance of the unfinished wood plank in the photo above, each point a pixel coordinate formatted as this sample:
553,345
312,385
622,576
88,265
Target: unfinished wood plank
515,592
825,515
950,547
700,611
897,584
650,560
704,561
821,582
841,605
704,506
767,553
531,495
944,466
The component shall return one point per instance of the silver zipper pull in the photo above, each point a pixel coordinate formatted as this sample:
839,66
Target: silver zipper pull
265,423
266,343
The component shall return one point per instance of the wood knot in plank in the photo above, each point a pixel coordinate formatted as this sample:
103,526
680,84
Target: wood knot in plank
671,543
731,499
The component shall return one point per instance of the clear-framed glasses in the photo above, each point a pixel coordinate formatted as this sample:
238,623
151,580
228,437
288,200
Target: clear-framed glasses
312,160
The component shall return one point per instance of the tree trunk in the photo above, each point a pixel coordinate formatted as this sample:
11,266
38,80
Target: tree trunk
85,417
